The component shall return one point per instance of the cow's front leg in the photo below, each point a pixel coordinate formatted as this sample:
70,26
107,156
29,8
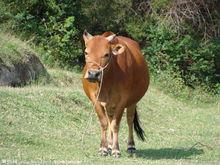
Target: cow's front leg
103,151
115,129
110,133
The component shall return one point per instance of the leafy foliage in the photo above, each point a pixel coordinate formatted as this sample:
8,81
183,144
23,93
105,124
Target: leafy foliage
194,60
53,26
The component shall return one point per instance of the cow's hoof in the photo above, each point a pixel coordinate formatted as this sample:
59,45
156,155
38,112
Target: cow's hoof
116,153
110,151
103,151
131,150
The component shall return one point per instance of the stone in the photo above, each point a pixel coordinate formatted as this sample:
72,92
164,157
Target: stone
23,72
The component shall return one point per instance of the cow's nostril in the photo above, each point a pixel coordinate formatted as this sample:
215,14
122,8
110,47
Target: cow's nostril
90,73
97,74
93,74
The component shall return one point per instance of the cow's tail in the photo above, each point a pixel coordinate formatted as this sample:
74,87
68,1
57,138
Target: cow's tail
137,127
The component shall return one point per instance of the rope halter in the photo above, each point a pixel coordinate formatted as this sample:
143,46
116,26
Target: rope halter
101,68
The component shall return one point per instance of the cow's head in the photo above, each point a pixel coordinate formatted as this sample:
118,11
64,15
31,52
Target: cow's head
99,54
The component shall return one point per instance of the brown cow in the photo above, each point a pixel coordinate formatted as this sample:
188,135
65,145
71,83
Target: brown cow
115,78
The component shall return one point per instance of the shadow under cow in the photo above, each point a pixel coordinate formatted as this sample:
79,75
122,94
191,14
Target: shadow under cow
168,153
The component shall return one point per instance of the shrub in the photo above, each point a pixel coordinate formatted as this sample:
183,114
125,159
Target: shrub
165,49
52,24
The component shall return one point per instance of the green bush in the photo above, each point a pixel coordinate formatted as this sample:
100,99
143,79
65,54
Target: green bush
61,49
53,27
188,55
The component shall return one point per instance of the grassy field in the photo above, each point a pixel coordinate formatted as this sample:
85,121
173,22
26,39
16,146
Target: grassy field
56,124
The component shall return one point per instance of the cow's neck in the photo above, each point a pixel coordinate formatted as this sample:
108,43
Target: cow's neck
107,85
104,91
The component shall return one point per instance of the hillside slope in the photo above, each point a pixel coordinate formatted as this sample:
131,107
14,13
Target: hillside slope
56,124
19,64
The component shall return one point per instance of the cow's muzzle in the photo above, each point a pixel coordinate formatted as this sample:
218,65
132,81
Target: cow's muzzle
94,75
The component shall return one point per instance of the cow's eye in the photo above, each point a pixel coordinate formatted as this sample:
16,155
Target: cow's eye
86,53
106,55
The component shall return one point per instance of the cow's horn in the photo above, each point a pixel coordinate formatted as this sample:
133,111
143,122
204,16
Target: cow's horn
111,37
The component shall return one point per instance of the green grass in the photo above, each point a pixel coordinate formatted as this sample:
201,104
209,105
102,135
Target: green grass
56,124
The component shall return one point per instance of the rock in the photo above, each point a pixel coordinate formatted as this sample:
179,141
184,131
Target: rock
25,71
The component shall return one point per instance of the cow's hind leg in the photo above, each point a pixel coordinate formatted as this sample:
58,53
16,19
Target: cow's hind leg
103,151
130,121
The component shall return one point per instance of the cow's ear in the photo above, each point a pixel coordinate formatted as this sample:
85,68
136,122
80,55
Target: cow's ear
87,36
118,49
